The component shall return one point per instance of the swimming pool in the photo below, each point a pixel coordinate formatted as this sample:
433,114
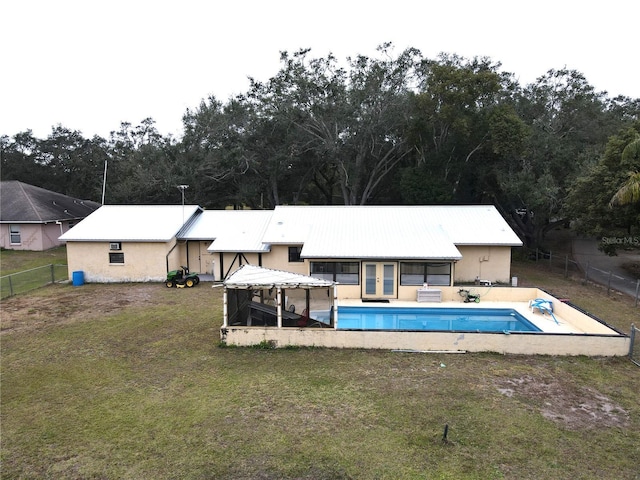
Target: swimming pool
433,319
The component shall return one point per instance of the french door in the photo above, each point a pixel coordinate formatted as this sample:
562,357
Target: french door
379,280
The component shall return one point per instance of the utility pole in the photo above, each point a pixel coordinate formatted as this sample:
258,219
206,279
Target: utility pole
182,188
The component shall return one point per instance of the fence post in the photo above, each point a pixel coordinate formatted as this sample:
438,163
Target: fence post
11,287
633,337
566,266
609,284
637,290
586,273
53,274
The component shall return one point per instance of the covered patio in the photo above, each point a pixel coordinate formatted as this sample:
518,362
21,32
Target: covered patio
257,296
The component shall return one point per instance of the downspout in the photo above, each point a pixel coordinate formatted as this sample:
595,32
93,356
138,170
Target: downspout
169,253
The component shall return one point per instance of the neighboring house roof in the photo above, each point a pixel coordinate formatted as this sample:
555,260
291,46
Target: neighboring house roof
231,230
24,203
139,223
253,277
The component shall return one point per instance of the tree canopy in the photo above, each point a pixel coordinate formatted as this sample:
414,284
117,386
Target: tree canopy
387,129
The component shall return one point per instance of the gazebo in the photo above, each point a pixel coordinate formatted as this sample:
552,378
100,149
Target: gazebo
257,296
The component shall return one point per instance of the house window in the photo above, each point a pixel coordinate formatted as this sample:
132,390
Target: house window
419,273
116,258
115,246
14,235
294,254
347,273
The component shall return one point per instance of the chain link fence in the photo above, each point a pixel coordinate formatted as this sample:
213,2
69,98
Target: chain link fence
27,280
562,263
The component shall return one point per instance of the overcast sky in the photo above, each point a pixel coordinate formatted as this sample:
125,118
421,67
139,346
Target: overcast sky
92,64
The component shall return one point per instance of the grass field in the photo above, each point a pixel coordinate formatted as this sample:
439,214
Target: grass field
22,271
129,381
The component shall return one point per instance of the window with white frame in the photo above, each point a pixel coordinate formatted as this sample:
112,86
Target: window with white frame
14,235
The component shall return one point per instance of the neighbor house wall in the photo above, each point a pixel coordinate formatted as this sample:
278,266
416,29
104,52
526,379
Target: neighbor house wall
34,236
491,263
143,262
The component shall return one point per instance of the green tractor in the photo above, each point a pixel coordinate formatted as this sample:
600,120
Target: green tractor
182,278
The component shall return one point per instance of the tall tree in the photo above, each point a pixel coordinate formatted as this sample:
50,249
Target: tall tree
630,191
590,196
461,125
569,126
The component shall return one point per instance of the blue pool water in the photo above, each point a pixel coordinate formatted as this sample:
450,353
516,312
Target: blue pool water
433,319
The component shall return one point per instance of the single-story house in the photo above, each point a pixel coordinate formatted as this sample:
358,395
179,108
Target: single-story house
370,251
129,243
33,218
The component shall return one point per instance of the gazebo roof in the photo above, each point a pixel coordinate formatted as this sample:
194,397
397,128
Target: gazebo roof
253,277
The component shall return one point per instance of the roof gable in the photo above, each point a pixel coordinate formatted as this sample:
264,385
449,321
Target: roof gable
24,203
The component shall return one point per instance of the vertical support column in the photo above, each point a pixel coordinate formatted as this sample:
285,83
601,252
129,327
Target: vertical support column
335,306
225,310
279,306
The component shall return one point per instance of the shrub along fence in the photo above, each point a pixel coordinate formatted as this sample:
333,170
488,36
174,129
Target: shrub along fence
27,280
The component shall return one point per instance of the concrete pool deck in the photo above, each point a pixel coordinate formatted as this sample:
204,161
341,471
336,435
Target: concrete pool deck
576,332
544,322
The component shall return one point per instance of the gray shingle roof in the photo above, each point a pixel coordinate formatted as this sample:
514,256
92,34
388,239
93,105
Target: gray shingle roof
24,203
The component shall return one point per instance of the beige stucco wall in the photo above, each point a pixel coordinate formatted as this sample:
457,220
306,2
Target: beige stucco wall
513,343
278,259
485,262
200,260
143,262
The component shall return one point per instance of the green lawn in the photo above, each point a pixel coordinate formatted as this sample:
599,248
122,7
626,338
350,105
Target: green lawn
22,271
129,381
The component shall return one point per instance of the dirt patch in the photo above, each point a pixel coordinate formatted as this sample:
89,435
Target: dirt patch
62,304
574,407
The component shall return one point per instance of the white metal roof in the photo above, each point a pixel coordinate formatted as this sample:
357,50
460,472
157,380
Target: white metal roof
251,276
388,231
231,230
358,232
141,223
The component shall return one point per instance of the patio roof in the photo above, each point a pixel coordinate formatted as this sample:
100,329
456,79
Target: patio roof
253,277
